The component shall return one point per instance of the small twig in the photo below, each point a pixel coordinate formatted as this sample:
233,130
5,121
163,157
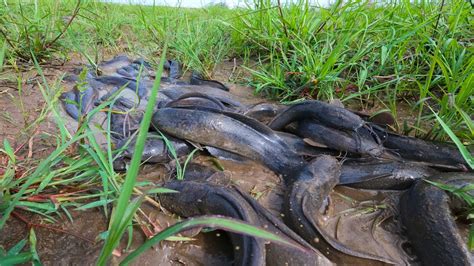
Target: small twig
74,14
5,91
234,68
147,198
327,19
6,38
282,19
30,146
54,229
437,20
24,143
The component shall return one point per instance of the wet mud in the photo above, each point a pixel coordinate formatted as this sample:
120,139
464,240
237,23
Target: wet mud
362,220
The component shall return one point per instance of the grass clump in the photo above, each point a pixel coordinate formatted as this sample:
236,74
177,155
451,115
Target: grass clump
202,45
36,26
392,52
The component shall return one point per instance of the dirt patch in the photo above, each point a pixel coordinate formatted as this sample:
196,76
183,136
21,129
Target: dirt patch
58,243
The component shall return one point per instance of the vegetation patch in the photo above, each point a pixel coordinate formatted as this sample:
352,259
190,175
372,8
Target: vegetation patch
412,60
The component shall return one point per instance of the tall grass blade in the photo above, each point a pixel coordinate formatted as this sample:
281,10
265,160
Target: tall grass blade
16,259
464,151
2,54
216,222
42,168
119,220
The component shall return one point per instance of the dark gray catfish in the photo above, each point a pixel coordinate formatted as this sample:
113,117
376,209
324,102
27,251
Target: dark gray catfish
383,174
115,63
135,72
427,216
155,150
128,72
198,79
79,102
140,62
174,69
176,91
303,203
196,198
197,99
124,121
225,155
431,152
359,143
200,198
70,105
139,87
264,112
327,114
300,147
232,132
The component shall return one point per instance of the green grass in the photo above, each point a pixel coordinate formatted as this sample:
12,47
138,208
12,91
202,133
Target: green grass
394,55
214,222
13,255
124,210
418,53
362,52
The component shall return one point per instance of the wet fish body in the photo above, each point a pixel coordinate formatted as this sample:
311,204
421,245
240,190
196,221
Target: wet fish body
139,88
174,69
111,66
300,147
123,125
199,198
70,104
197,99
176,91
327,114
197,79
155,149
231,132
340,140
264,112
78,102
426,214
383,174
431,152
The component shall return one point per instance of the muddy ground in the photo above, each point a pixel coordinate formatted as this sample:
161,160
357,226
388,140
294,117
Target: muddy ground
363,220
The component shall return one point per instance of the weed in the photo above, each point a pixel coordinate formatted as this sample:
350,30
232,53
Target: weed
216,222
14,255
125,210
362,51
34,27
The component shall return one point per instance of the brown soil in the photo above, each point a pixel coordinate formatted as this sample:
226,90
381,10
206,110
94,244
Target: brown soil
76,242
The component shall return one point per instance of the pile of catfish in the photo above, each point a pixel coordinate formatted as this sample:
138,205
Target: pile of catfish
312,145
